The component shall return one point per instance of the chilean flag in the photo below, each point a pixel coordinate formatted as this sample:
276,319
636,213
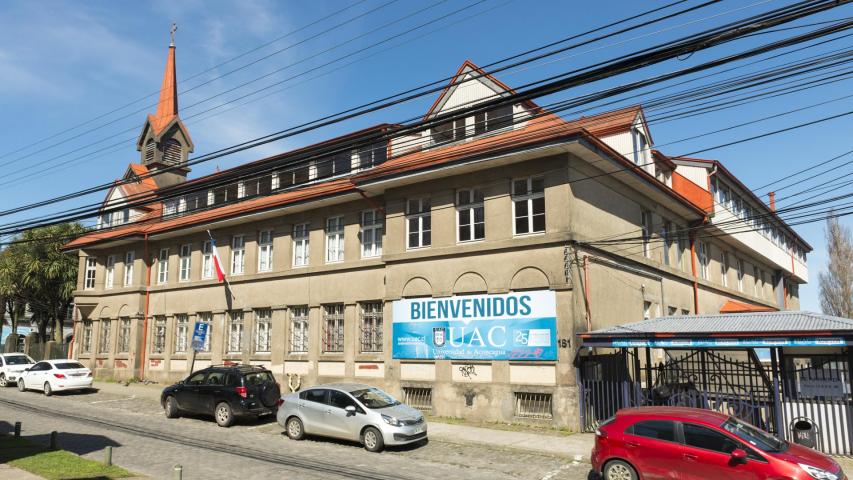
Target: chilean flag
217,262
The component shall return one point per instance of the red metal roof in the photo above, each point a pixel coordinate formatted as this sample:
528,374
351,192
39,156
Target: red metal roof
733,306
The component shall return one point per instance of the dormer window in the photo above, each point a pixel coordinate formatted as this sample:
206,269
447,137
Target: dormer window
170,207
372,155
491,120
641,145
446,132
338,164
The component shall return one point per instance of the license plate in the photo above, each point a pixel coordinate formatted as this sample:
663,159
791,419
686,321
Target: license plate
419,430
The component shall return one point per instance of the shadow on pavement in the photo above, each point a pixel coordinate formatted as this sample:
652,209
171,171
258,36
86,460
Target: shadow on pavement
78,443
348,443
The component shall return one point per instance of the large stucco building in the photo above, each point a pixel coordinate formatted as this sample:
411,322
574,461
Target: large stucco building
321,246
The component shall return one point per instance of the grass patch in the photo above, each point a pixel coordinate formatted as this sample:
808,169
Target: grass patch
54,465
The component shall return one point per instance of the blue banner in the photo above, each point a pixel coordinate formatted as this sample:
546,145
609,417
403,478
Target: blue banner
512,326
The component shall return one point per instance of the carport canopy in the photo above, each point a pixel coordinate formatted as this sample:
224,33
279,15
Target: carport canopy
732,330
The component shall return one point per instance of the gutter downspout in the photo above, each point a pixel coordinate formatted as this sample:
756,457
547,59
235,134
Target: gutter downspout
586,293
142,359
695,276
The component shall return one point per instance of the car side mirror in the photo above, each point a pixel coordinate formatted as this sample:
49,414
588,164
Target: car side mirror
739,455
350,410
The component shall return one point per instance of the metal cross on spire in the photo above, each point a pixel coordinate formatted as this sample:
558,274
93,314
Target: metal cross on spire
172,34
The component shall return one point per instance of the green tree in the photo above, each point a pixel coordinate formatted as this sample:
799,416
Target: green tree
836,283
36,274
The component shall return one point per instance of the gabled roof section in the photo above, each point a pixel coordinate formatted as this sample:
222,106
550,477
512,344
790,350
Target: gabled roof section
468,68
733,306
135,185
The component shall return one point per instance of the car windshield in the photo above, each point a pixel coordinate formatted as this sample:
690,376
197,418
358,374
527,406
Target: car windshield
258,378
374,398
754,436
18,360
68,365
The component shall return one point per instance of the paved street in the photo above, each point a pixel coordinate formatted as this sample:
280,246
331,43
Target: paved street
145,442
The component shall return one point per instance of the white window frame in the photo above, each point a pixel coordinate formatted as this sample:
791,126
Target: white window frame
301,245
298,330
422,215
704,260
86,346
104,334
124,329
207,260
372,326
372,223
91,273
528,196
334,335
238,254
234,338
182,329
263,330
467,201
129,258
265,251
335,239
163,266
185,262
158,339
109,276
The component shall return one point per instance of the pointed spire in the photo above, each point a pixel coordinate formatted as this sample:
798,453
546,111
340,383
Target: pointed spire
167,106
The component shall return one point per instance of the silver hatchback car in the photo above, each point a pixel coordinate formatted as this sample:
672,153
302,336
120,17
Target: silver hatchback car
351,411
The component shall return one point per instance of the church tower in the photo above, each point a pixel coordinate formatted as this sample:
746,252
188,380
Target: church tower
165,143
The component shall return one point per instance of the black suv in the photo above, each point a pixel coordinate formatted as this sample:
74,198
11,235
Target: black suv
225,391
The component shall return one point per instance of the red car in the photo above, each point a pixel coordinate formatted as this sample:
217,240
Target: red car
677,443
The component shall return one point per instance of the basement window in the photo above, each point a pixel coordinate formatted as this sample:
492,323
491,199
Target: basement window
418,397
533,405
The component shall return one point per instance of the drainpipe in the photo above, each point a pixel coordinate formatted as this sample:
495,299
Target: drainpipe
142,359
586,293
695,273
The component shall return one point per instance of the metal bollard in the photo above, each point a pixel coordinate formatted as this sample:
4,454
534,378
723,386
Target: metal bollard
17,429
177,472
53,440
108,455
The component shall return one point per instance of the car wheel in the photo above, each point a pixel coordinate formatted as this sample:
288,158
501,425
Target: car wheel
170,408
3,382
294,429
21,386
47,390
372,440
224,415
619,470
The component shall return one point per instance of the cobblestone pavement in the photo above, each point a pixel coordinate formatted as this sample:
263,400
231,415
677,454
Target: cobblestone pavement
145,442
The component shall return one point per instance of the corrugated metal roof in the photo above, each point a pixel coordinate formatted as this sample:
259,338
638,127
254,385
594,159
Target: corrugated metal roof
757,322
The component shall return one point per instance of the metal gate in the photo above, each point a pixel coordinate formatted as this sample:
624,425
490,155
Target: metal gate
811,392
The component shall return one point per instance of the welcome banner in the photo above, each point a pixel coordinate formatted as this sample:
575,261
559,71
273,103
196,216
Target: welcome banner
511,326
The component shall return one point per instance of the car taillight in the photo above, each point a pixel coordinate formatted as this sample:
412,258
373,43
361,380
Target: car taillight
241,391
59,375
279,402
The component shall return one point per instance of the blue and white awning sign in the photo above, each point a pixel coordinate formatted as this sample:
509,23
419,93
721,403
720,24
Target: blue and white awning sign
732,342
510,326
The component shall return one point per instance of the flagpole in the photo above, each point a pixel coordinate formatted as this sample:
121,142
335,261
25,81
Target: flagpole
224,278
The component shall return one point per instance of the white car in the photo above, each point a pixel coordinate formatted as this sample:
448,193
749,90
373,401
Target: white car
55,375
11,366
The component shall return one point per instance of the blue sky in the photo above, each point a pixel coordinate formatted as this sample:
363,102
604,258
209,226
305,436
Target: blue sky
63,64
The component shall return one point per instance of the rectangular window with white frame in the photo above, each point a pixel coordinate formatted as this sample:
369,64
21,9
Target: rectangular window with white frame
263,330
333,328
91,272
371,326
158,344
470,215
124,335
334,239
185,262
182,330
207,260
238,254
371,233
300,245
104,340
163,266
528,205
265,251
110,271
299,330
704,260
235,332
86,344
418,223
129,258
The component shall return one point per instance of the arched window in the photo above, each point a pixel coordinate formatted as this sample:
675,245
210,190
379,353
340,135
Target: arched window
172,152
150,147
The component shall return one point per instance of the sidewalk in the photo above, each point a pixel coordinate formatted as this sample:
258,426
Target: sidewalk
12,473
574,447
